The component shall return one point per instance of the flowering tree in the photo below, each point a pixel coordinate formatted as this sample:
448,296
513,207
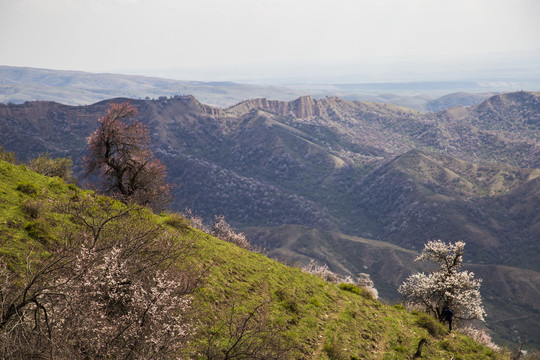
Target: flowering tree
222,230
118,151
110,309
447,286
117,285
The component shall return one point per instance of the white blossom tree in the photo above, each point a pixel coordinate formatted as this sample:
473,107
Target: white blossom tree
112,309
446,287
222,230
116,285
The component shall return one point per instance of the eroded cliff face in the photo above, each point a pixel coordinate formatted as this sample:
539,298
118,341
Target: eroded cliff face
301,108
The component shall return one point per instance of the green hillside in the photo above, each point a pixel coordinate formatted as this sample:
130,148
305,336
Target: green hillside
367,170
296,315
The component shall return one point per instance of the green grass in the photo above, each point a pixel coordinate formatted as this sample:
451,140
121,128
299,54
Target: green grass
316,319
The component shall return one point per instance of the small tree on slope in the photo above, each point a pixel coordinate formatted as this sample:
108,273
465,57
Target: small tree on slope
119,152
447,286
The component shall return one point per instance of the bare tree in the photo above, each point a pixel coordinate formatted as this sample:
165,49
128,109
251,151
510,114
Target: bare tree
241,332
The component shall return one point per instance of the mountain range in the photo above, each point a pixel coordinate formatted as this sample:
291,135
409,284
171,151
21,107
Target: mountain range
360,186
20,84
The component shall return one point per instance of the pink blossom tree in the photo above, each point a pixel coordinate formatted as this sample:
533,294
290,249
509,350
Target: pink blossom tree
119,152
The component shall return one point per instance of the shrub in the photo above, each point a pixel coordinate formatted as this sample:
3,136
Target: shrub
323,272
38,230
350,287
117,286
7,156
334,351
27,188
287,301
433,326
177,221
196,221
31,208
60,167
363,281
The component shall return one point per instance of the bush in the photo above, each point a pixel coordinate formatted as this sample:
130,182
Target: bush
196,221
481,336
116,286
323,272
334,351
178,222
27,188
433,326
60,167
38,230
287,301
32,208
363,281
7,156
350,287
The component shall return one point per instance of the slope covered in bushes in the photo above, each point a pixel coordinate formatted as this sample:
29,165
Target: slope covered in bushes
230,302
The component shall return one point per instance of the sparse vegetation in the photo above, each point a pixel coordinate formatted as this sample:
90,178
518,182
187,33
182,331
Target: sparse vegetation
432,325
362,286
222,230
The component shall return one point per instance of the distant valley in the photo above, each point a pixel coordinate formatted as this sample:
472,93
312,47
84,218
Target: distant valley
19,84
360,186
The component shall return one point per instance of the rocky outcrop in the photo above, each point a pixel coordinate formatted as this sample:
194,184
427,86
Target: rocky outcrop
301,108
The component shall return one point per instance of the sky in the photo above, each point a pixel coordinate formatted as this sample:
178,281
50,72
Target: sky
133,36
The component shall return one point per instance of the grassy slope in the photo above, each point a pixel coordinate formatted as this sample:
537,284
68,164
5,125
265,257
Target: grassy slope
321,320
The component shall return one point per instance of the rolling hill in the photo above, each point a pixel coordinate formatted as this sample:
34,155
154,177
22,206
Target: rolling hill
369,170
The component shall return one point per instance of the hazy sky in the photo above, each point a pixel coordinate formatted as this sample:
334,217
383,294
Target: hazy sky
116,35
